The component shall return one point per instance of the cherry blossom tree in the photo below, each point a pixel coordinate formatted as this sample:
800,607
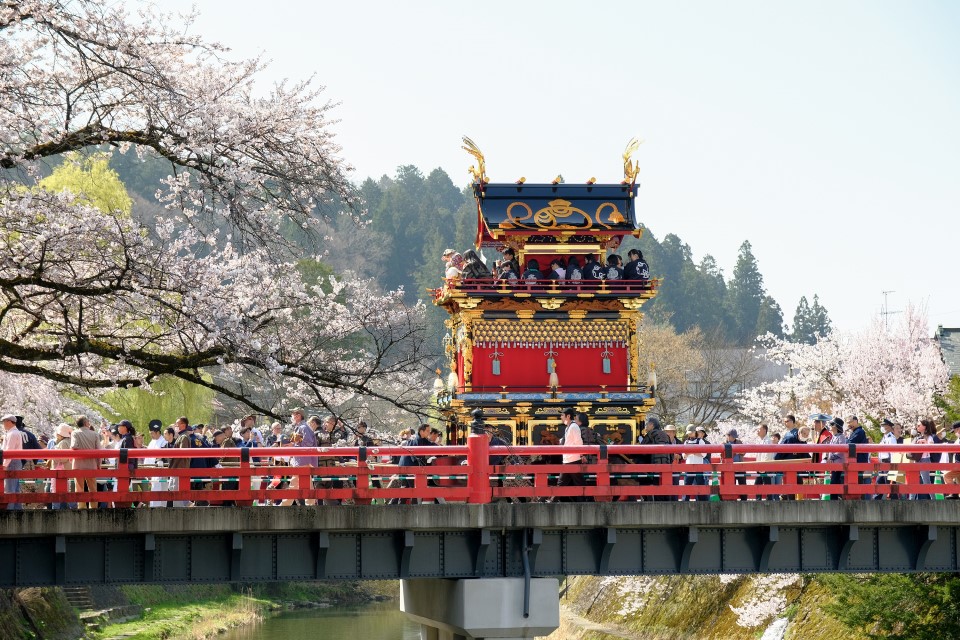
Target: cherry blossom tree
875,373
41,402
209,292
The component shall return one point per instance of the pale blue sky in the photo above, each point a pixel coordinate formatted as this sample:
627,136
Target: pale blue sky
826,133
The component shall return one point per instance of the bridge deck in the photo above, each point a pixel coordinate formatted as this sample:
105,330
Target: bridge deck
463,540
454,517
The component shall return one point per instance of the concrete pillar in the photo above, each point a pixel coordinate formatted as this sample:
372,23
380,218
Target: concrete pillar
482,608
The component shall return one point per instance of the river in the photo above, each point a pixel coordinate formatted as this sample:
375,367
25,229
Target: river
380,621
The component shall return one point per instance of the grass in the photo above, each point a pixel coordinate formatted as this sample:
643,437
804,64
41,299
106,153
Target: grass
192,620
200,612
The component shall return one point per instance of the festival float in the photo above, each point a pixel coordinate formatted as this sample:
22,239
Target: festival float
523,350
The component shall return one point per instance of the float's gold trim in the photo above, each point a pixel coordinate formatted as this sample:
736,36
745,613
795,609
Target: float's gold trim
561,214
479,172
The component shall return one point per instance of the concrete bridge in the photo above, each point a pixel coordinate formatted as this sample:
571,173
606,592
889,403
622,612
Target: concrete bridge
485,568
457,559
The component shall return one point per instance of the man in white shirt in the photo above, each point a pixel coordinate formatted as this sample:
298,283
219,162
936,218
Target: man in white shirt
12,441
763,435
156,442
571,438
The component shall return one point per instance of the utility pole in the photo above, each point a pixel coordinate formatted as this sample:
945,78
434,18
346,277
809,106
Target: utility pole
886,313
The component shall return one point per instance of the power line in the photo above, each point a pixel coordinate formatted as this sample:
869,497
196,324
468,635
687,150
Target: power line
886,313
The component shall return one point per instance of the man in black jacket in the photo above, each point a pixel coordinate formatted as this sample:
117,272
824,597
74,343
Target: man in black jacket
859,436
421,439
656,435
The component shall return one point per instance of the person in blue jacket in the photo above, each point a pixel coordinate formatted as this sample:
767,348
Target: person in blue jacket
859,436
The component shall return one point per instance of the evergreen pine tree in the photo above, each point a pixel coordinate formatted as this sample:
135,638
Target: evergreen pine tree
770,318
819,318
745,296
809,321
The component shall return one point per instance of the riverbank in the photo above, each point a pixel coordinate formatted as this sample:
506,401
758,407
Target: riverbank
202,612
771,607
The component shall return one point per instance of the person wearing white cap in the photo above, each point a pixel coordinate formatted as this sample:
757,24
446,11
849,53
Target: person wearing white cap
12,441
61,485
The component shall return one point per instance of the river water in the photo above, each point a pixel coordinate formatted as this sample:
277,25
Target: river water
380,621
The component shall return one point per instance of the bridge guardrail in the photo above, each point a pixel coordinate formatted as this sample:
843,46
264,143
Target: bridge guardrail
469,473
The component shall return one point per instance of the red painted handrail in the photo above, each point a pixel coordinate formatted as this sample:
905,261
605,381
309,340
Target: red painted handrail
465,473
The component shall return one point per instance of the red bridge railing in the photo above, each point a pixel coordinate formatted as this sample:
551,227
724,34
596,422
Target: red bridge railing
478,473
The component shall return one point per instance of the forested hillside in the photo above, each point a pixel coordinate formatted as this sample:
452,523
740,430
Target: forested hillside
411,217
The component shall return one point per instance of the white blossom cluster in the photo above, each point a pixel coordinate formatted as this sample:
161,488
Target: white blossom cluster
768,599
877,373
632,592
41,402
209,292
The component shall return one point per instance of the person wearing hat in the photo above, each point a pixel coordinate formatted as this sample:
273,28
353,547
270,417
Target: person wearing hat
821,427
126,440
454,266
836,457
694,437
446,257
12,441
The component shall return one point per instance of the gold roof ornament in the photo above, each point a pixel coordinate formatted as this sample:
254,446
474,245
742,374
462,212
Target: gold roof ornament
478,172
631,168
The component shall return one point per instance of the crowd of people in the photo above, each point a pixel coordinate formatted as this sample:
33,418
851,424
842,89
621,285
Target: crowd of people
302,431
825,429
470,266
331,432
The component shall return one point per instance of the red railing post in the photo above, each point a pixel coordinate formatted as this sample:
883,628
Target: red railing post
362,489
245,479
727,477
603,476
478,469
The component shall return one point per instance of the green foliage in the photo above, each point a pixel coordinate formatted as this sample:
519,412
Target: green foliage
770,318
897,606
169,399
92,180
949,402
314,273
745,296
810,321
419,217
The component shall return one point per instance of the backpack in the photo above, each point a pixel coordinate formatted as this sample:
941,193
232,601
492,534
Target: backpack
31,441
589,436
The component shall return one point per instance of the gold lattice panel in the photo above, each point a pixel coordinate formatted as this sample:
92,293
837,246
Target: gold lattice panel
560,334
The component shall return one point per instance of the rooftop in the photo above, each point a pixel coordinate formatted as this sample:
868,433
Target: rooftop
949,341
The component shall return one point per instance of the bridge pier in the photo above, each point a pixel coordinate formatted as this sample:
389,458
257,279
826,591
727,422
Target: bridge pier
482,608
